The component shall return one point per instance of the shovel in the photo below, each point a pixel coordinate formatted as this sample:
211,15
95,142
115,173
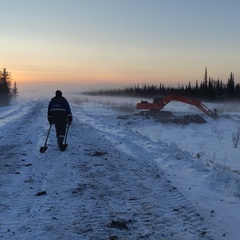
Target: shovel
64,145
44,148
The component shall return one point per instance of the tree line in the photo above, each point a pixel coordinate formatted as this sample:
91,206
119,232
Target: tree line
7,92
208,89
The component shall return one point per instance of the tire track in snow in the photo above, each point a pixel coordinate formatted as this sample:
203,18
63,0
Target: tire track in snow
149,204
94,190
19,153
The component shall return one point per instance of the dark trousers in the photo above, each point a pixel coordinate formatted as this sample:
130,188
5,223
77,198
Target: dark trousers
60,130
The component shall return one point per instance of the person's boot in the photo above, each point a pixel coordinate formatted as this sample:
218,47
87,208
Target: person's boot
60,140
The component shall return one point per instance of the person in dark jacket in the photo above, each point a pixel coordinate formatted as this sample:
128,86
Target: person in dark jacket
59,113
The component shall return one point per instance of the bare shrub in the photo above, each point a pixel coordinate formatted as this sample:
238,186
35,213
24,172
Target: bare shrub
236,136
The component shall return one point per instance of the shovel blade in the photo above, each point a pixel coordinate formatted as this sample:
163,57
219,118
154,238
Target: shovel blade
43,149
63,147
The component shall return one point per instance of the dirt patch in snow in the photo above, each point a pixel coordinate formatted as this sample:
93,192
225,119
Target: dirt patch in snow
167,117
183,120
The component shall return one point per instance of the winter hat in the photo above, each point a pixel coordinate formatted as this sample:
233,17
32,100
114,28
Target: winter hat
58,93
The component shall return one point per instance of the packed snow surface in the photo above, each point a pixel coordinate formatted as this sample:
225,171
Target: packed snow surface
124,174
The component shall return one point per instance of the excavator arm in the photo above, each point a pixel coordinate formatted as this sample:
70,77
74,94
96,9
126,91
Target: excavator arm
160,103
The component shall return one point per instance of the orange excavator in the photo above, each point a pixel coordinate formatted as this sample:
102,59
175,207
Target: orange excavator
160,103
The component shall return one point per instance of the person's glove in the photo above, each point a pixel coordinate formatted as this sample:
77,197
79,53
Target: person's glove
69,120
50,120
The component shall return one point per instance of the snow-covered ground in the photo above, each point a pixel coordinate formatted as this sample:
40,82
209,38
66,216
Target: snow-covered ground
123,175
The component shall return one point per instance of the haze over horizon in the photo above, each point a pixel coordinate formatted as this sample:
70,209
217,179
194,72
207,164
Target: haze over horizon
94,44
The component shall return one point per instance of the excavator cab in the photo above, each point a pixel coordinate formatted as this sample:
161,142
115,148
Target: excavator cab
157,100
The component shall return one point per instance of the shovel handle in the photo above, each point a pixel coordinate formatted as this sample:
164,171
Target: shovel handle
65,140
47,135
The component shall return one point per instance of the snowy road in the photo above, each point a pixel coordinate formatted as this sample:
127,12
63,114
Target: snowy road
105,186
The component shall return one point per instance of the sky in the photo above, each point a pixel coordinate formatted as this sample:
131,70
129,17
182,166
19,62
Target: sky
109,43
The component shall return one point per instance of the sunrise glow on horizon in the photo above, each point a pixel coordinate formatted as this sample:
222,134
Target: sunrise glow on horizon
119,43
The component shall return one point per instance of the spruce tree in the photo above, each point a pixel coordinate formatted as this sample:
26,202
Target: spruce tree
5,87
231,87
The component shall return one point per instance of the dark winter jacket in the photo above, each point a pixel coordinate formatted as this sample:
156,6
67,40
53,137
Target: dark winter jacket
59,111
